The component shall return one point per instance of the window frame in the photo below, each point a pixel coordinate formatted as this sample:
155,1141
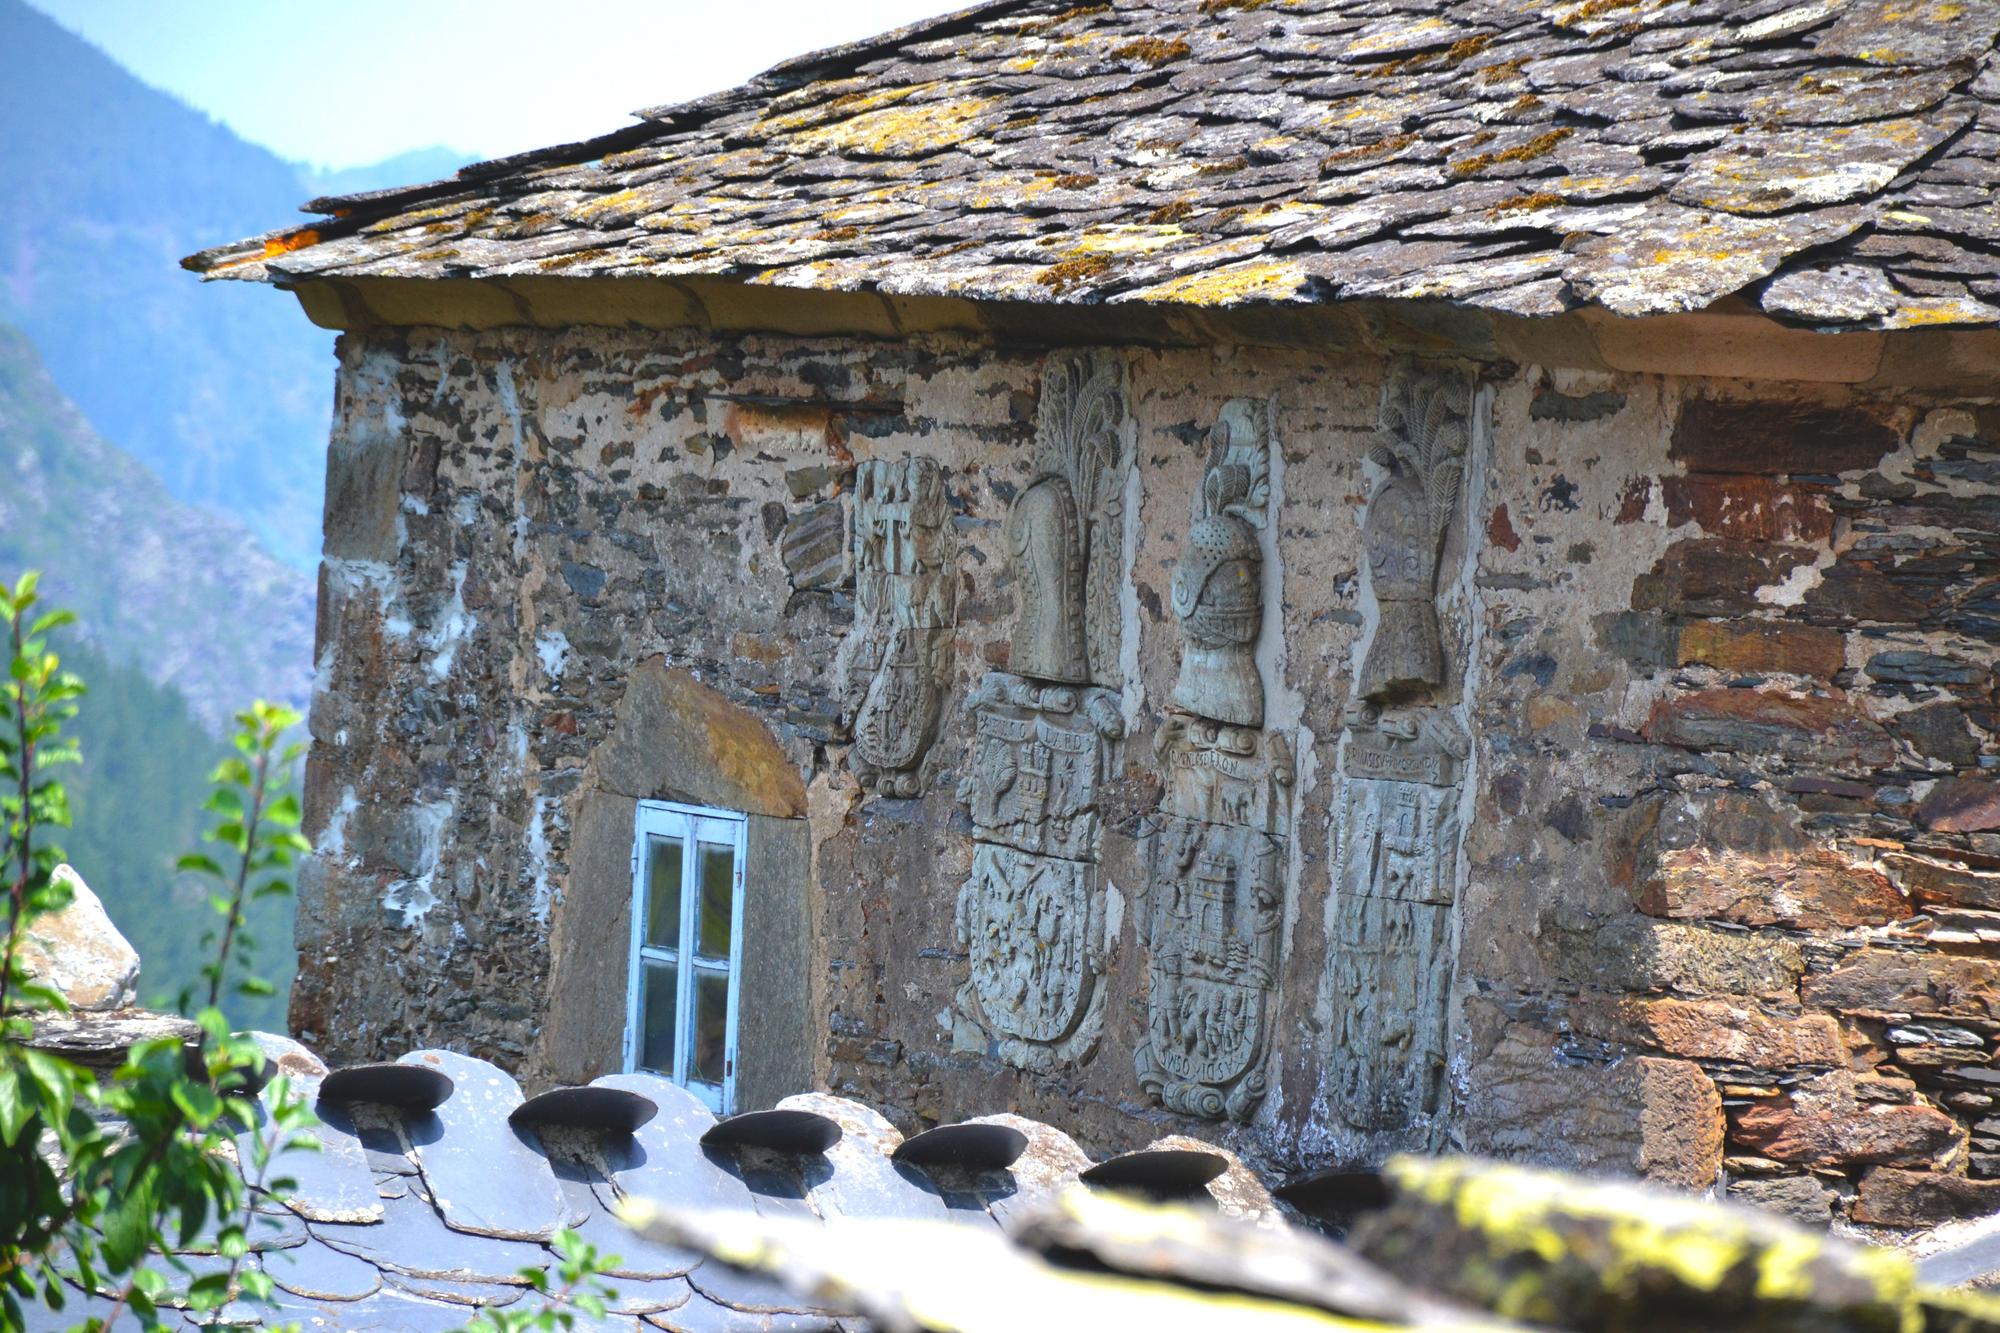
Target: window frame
694,825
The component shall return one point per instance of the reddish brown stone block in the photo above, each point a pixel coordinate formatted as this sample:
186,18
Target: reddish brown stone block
1895,981
1814,889
1962,805
1764,645
1818,730
1707,576
1713,1030
1748,509
1932,881
1823,1124
1772,439
1680,1124
1500,530
1895,1198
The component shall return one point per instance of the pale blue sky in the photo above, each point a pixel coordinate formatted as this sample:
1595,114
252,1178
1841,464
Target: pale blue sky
347,82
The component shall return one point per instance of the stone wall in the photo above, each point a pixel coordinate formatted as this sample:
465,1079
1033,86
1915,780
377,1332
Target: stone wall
1615,789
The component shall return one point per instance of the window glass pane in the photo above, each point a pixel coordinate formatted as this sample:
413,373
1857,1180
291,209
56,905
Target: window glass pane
658,1007
711,1025
718,884
663,892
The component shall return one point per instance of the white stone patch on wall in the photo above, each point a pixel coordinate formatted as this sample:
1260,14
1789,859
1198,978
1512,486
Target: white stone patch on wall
451,627
1792,589
409,901
332,843
552,647
538,859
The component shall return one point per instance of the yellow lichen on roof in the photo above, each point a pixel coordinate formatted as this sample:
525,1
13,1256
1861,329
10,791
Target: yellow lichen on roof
897,131
1124,239
1646,156
1260,280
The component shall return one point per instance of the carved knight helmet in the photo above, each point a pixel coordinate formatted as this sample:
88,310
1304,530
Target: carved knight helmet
1045,544
1218,590
1422,446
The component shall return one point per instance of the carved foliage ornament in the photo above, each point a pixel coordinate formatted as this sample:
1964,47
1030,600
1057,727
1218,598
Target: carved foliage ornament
905,605
1421,446
1065,532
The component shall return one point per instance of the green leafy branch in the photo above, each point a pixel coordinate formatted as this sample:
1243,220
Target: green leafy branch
260,828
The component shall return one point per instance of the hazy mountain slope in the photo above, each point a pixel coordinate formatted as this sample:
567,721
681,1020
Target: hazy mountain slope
224,393
417,165
186,596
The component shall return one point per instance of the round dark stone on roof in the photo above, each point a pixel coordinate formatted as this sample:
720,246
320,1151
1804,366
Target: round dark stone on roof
978,1147
1161,1172
1335,1193
408,1087
785,1131
587,1108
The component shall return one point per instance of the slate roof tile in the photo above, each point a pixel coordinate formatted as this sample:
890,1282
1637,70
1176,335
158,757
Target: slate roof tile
1769,140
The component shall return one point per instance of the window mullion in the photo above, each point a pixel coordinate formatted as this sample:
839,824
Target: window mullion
684,974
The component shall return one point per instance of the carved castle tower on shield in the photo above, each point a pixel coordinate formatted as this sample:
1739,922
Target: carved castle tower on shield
1215,892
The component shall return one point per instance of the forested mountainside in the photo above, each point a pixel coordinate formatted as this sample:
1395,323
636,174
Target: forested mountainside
223,392
184,619
188,597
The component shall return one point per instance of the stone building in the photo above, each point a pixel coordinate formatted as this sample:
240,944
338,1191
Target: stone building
1326,576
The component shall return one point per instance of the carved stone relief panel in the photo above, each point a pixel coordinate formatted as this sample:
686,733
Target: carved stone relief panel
1040,755
1066,531
1215,908
1218,588
1397,832
1394,880
1034,930
1032,915
905,604
1421,449
1215,891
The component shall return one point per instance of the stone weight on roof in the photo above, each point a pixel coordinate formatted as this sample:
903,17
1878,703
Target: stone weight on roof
437,1183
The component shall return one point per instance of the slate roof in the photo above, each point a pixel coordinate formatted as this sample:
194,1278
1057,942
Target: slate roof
1834,158
412,1216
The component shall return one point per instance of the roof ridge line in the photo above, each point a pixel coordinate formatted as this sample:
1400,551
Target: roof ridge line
804,69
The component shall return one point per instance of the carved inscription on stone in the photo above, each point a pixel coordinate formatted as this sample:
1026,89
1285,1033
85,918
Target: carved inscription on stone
1397,832
905,604
1215,906
1032,915
1216,882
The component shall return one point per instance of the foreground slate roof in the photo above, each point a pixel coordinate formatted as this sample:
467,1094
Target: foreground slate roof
1834,158
414,1217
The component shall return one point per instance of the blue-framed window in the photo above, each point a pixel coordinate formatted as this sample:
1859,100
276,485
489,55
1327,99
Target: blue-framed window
687,945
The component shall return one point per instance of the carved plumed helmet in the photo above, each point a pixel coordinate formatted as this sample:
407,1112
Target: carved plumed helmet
1218,543
1045,545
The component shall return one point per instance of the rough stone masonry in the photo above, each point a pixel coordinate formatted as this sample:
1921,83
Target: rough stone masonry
1586,766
